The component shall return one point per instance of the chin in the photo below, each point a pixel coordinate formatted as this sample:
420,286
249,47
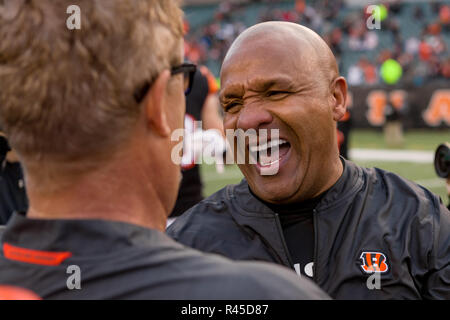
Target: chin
279,188
273,194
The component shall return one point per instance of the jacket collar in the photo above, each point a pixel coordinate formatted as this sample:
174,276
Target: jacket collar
251,213
80,237
348,184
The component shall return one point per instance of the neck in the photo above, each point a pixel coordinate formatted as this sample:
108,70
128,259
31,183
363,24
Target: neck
118,191
324,181
335,172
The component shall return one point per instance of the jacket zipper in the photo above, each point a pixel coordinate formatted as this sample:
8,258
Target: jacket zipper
280,233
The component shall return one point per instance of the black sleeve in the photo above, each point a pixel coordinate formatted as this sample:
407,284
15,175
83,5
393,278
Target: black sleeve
273,282
437,281
4,148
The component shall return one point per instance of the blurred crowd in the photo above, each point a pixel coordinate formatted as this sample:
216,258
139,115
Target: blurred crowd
422,54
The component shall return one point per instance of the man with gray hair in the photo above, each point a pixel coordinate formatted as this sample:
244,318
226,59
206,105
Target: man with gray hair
90,113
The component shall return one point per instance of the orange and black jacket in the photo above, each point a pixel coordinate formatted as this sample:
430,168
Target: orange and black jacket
370,223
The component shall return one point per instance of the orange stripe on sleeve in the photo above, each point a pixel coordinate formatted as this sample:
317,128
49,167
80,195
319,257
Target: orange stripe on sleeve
45,258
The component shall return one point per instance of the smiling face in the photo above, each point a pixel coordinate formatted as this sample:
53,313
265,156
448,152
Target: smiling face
276,81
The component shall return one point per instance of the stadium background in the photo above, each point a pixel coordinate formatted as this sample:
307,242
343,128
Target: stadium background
413,39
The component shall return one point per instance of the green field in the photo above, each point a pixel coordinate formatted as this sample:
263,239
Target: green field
415,140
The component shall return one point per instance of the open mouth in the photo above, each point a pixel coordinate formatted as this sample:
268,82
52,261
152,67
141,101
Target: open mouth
270,153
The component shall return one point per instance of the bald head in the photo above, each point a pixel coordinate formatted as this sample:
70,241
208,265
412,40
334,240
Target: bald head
295,40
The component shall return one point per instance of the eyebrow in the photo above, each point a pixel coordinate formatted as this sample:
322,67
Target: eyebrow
263,85
234,91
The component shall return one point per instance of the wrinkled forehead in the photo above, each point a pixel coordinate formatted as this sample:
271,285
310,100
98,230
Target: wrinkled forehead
261,59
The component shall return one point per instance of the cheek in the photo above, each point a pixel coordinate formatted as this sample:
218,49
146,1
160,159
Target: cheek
311,119
229,126
177,103
178,112
229,121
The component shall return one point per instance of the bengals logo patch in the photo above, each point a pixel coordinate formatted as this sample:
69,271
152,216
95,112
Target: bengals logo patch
374,262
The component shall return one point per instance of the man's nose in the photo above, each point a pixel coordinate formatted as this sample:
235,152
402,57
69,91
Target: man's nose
253,116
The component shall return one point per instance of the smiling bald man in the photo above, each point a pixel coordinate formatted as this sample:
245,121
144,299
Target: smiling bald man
358,233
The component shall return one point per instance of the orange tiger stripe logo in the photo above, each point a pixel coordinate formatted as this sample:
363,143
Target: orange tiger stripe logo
374,262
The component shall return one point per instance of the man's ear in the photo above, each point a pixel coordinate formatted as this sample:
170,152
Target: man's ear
340,98
155,102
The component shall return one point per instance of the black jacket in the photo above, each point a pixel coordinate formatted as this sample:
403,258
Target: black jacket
368,214
98,259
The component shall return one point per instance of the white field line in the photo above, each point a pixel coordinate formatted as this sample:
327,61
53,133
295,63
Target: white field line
415,156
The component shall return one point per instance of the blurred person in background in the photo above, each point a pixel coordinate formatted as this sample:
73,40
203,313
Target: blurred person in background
444,17
362,73
344,27
202,106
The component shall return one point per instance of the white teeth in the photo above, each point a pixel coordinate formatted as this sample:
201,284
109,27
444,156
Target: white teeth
266,145
265,164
